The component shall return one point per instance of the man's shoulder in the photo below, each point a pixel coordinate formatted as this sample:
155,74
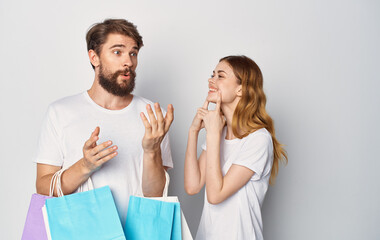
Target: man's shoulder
141,102
68,102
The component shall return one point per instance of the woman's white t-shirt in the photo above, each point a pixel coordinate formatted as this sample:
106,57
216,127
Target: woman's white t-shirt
239,216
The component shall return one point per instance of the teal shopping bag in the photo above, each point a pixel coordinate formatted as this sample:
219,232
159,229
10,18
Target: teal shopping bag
152,219
86,215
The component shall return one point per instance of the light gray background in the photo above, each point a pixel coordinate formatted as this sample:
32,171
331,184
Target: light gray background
320,61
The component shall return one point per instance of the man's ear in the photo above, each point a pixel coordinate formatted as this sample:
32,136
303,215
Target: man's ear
94,58
239,91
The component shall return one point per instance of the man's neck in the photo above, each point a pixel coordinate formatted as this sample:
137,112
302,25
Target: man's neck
107,100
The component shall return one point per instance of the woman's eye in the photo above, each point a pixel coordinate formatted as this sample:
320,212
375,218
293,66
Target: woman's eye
212,75
219,76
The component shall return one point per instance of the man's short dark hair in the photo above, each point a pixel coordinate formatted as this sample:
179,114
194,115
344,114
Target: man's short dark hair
98,33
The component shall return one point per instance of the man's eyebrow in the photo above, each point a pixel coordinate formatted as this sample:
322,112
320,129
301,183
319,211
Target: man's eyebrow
123,46
118,45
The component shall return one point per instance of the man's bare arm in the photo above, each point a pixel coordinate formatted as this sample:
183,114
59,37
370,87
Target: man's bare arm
94,156
153,179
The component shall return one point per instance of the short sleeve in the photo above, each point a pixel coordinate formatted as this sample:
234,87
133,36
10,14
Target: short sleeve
256,154
49,150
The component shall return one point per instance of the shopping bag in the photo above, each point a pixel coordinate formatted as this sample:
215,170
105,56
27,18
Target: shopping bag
184,228
180,229
149,219
85,215
34,228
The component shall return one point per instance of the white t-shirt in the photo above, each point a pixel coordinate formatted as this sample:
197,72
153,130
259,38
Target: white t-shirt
239,216
69,123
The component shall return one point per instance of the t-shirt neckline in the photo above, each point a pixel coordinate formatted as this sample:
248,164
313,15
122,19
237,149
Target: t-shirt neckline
105,110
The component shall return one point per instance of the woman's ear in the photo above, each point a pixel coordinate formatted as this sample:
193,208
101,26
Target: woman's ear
239,91
94,59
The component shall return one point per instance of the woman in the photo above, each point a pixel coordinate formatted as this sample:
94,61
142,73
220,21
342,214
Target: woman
241,154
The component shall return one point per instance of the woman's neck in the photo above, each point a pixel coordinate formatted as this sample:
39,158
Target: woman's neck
228,112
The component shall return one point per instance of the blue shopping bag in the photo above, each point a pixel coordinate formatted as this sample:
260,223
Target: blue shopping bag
86,215
152,219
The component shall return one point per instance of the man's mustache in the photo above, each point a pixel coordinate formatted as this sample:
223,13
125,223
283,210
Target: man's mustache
126,71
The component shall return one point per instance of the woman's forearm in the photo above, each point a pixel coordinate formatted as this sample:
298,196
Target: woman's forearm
193,183
214,176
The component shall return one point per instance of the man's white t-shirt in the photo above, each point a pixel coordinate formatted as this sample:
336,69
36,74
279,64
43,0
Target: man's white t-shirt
239,216
69,123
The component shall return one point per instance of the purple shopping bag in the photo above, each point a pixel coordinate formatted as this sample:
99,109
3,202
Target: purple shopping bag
34,228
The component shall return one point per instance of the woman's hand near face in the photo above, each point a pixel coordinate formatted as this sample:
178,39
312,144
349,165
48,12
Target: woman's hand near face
214,121
198,123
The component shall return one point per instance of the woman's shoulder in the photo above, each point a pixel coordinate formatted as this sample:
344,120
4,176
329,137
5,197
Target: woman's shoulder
261,135
260,132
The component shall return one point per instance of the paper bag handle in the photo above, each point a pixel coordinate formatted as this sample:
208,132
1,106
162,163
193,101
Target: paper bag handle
166,188
56,182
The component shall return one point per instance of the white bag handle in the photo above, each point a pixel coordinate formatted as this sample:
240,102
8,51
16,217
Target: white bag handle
56,182
166,188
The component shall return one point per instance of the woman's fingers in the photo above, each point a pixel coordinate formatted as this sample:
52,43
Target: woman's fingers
205,104
218,101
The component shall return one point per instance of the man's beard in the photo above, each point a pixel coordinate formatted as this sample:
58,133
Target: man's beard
109,81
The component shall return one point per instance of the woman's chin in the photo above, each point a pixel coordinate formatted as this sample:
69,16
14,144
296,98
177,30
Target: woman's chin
211,98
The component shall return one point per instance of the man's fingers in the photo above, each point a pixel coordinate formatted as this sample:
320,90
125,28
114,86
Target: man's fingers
152,118
96,131
205,105
107,158
169,117
146,123
91,142
93,138
105,152
100,147
160,117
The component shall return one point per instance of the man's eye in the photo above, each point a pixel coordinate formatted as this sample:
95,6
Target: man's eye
133,54
117,52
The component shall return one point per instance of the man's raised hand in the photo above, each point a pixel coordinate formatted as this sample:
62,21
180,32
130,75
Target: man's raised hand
156,128
94,156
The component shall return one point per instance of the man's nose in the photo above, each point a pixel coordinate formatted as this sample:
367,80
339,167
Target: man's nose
128,62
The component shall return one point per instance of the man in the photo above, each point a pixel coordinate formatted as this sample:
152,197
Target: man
104,133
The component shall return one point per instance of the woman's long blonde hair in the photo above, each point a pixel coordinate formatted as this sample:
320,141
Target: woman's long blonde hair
250,114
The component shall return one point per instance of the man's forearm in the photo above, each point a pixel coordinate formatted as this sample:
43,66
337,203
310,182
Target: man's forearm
153,179
71,179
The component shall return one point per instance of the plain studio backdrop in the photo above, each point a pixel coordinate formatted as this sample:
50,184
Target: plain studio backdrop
320,61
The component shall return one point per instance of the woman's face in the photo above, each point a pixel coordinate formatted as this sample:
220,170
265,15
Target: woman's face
224,80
